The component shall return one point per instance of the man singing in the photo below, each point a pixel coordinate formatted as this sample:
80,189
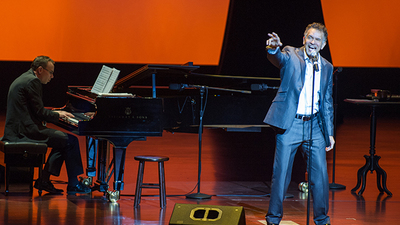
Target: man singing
303,101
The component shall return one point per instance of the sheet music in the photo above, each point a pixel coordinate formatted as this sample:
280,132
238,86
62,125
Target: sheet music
111,81
106,80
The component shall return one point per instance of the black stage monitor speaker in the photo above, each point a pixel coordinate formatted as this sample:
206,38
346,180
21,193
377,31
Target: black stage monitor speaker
189,214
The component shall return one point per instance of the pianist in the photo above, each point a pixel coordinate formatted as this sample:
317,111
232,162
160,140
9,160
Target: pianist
26,121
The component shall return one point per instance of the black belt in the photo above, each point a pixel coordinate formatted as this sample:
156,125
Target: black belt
305,117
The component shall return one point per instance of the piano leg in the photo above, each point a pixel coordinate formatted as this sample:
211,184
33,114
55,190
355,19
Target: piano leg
91,152
119,164
100,148
118,171
120,144
103,151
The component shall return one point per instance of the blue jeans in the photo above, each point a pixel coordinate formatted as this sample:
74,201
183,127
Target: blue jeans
286,147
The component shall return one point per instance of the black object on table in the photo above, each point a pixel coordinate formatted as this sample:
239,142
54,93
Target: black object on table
371,163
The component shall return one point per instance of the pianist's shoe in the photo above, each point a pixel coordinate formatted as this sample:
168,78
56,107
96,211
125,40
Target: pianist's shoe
47,186
78,189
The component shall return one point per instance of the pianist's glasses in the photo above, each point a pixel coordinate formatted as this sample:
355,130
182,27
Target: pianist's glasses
51,72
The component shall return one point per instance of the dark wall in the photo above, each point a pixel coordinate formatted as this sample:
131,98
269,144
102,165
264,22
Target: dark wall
358,82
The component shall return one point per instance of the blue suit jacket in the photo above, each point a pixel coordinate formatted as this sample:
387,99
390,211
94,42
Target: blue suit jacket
283,109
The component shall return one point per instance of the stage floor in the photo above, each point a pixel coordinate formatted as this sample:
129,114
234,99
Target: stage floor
231,178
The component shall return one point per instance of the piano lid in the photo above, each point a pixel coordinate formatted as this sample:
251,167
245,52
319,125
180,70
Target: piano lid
150,69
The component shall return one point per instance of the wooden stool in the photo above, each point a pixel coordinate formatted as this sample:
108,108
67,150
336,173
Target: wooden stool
23,154
160,185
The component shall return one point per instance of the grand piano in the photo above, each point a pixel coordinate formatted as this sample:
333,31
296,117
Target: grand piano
132,112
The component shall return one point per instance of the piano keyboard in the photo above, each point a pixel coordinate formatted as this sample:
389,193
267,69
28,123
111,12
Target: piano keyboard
78,117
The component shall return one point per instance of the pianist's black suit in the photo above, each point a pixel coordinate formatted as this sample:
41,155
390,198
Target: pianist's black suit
25,121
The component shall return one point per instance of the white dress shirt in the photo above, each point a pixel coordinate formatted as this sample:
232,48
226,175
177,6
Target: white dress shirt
305,98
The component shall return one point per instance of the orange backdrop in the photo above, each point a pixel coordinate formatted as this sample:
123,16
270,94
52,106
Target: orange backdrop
363,33
122,31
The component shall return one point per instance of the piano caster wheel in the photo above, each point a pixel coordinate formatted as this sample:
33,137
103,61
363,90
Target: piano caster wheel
86,181
113,196
303,187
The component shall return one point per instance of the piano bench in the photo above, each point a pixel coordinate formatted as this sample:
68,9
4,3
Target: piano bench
161,177
22,154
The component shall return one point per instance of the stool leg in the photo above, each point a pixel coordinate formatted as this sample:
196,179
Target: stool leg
43,157
162,184
31,171
139,183
7,179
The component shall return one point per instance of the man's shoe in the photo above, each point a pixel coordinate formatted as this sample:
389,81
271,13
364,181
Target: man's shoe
79,189
47,186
